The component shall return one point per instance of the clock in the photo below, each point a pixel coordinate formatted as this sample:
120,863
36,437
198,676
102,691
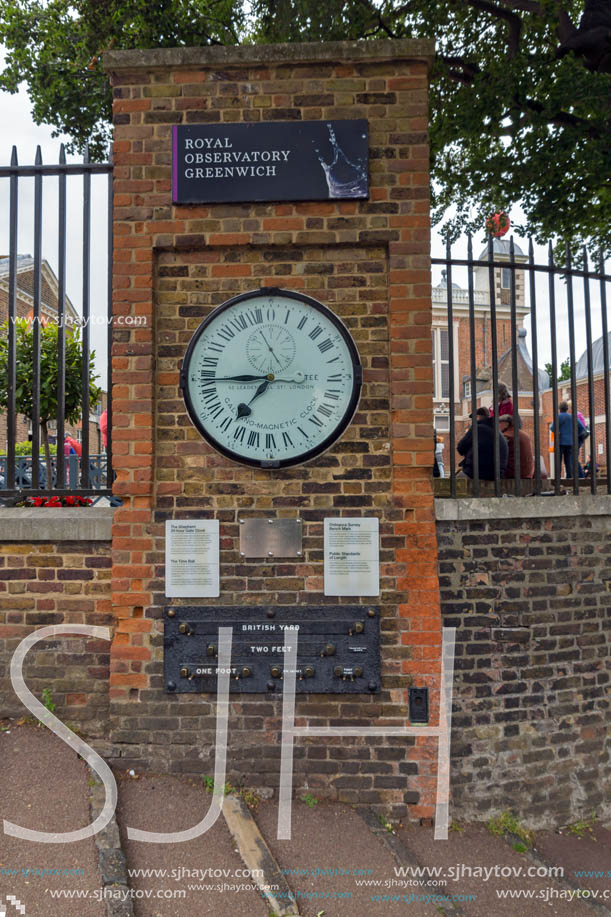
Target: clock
271,378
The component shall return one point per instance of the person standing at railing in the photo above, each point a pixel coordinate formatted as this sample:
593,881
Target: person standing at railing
505,403
581,439
103,423
525,451
439,444
564,425
72,446
485,448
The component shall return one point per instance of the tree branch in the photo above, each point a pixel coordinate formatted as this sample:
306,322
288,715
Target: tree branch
376,16
512,19
468,69
565,119
525,6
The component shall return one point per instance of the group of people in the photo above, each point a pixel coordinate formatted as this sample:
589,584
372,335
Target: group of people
508,431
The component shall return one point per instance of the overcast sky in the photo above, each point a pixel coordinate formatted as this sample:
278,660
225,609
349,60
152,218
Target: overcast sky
25,135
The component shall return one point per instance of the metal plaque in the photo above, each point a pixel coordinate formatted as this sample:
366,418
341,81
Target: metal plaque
270,537
338,648
270,161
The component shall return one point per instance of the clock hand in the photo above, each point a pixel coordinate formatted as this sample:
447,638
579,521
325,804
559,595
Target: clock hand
244,409
239,378
270,349
298,378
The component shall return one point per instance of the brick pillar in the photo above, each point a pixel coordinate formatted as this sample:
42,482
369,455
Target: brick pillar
369,262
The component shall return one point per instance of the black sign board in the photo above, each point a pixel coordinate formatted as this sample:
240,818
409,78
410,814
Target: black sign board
338,648
270,161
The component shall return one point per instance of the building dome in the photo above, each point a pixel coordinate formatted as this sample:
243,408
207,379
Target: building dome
501,247
598,363
443,283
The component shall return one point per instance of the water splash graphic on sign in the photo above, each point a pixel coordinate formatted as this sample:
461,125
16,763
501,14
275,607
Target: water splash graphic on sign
345,178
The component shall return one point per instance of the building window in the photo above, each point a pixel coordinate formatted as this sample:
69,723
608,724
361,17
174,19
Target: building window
467,385
442,423
505,278
441,364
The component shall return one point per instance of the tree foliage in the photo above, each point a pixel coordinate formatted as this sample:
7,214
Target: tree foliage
564,370
24,388
520,106
56,47
520,102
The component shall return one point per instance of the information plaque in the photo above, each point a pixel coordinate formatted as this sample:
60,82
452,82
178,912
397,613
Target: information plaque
352,556
338,648
270,161
192,558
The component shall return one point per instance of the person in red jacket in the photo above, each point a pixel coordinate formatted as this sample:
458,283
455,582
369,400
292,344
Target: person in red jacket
103,422
505,402
72,446
525,452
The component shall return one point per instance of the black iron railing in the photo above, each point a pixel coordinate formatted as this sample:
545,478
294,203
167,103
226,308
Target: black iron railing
86,479
509,292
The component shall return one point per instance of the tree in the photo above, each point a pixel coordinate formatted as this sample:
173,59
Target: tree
520,102
24,389
564,373
56,48
520,105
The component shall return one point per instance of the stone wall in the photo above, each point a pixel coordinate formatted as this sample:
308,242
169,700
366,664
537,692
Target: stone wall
527,585
55,569
369,262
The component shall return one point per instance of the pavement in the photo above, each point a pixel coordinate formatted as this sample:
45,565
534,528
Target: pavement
339,861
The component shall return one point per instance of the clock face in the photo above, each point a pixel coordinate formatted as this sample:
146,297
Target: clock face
271,378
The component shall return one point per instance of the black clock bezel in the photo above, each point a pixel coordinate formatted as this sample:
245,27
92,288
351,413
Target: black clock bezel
324,445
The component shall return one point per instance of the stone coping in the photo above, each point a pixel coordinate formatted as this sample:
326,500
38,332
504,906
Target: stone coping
50,524
298,53
531,507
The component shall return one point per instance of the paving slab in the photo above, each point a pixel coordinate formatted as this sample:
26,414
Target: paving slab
167,804
331,856
586,860
478,865
45,787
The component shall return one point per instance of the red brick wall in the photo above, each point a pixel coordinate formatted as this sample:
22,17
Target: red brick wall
368,261
63,582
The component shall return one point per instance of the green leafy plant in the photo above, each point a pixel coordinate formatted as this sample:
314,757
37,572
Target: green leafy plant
520,847
47,699
210,788
564,370
506,823
309,800
582,827
24,390
250,797
454,826
386,824
25,448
